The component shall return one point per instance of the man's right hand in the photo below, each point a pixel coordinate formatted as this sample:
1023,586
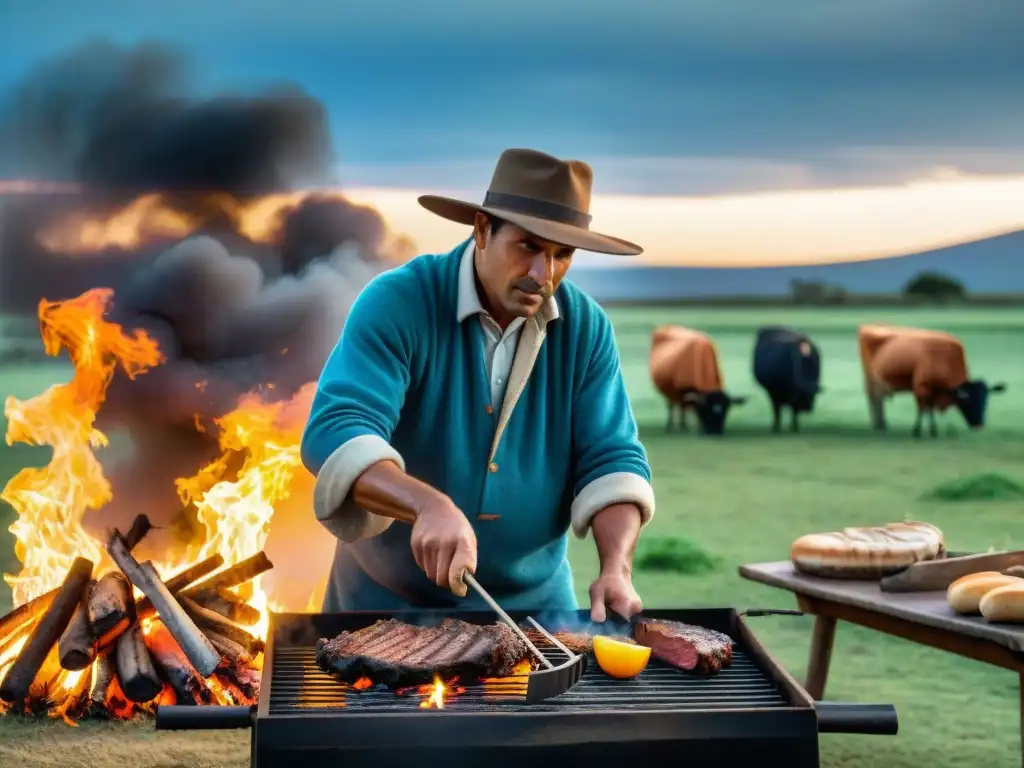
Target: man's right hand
444,545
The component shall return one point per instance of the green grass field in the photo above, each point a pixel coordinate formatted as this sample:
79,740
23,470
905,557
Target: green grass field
743,498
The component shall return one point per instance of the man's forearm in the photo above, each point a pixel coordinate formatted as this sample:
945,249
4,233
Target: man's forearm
616,530
385,489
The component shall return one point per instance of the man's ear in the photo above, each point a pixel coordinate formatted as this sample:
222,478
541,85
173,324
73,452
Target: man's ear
481,230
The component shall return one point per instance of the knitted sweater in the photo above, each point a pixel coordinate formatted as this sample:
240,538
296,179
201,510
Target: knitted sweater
407,382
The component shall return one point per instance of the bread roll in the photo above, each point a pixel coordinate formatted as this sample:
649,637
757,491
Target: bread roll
1004,603
869,552
964,595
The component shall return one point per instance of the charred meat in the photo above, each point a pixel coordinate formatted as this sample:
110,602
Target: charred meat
396,654
577,642
685,646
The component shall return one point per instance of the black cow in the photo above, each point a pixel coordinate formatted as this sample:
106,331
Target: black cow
788,365
711,409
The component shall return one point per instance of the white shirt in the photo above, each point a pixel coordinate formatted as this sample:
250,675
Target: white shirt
499,346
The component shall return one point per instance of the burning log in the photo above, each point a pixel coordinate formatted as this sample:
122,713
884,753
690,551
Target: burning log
193,642
233,652
111,607
140,527
182,676
77,646
47,632
229,606
239,573
245,679
35,608
102,676
27,612
144,608
213,622
135,671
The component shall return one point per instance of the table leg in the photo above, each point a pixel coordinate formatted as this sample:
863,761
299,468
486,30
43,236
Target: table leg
821,655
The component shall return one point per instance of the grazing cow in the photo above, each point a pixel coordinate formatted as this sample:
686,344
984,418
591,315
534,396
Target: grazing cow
684,368
788,365
931,364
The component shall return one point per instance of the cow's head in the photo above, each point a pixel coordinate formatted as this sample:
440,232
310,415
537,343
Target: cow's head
712,408
971,399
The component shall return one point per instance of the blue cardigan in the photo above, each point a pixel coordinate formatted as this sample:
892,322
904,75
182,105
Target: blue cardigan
407,381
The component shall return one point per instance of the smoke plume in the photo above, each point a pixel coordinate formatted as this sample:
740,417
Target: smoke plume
232,311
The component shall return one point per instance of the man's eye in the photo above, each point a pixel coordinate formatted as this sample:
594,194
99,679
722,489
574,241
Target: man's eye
529,247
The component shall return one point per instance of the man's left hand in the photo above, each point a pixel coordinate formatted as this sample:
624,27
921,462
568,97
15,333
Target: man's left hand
613,591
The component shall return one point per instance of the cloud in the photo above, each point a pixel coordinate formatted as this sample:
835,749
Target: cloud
795,88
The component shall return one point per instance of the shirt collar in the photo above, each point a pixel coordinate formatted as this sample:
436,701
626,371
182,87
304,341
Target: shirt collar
469,298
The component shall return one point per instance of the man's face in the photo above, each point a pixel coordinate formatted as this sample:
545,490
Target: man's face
517,270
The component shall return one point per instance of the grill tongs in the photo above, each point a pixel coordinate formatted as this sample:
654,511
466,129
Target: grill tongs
551,680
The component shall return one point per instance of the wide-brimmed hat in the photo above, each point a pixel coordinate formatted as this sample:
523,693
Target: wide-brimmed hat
546,196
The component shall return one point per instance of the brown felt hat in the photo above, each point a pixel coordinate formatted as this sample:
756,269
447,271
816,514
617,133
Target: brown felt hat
547,197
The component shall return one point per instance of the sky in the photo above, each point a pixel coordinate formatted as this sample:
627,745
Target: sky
721,131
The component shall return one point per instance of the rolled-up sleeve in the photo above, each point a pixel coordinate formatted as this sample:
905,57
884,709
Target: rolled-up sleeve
610,464
357,403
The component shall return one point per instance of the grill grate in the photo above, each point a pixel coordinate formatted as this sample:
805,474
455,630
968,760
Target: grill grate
299,685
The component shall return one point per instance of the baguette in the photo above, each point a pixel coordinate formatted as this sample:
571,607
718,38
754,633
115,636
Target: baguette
965,594
1004,603
868,552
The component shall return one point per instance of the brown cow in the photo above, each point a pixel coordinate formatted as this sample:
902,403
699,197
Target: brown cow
684,369
931,364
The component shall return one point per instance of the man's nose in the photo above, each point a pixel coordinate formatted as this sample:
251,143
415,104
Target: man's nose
541,269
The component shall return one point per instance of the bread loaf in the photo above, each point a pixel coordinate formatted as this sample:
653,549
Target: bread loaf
1004,603
869,552
965,594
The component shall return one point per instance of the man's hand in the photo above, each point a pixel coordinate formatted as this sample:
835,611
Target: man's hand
444,545
613,591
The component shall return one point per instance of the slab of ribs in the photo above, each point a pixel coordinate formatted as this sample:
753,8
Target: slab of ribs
393,653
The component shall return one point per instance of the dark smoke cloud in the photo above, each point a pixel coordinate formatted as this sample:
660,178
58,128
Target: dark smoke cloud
229,314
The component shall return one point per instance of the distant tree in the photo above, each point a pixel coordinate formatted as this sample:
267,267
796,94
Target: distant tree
815,292
934,286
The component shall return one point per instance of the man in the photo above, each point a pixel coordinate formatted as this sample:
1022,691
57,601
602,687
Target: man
478,399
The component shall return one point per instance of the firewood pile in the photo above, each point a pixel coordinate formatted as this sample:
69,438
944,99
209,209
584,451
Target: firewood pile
93,648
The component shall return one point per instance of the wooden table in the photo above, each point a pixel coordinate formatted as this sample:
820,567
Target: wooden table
922,617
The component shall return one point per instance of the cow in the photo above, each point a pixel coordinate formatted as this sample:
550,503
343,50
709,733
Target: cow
787,364
931,364
684,369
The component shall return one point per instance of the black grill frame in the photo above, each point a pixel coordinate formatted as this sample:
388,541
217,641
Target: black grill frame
518,735
551,733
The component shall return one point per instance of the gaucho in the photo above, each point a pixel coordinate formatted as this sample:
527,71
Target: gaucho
478,397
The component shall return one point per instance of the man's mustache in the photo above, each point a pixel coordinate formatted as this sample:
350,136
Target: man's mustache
529,285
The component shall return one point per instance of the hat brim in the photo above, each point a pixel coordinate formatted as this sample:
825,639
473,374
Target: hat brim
554,231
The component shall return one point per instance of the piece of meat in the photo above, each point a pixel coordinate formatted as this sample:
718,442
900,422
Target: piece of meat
685,646
397,654
577,642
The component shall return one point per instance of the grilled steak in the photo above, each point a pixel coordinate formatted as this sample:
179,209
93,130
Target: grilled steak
577,642
685,646
396,654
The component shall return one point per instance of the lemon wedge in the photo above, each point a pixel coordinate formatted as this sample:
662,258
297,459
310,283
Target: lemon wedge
619,659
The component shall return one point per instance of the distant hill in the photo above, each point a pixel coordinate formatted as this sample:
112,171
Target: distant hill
992,265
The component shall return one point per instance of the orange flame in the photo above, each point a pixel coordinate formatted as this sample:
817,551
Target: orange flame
52,501
236,513
435,699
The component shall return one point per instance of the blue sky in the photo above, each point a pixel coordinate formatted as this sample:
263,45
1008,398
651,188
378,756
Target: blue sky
705,96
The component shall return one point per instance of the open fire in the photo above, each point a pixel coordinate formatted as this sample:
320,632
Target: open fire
94,631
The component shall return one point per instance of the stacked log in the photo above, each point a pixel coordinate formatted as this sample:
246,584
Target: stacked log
185,638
